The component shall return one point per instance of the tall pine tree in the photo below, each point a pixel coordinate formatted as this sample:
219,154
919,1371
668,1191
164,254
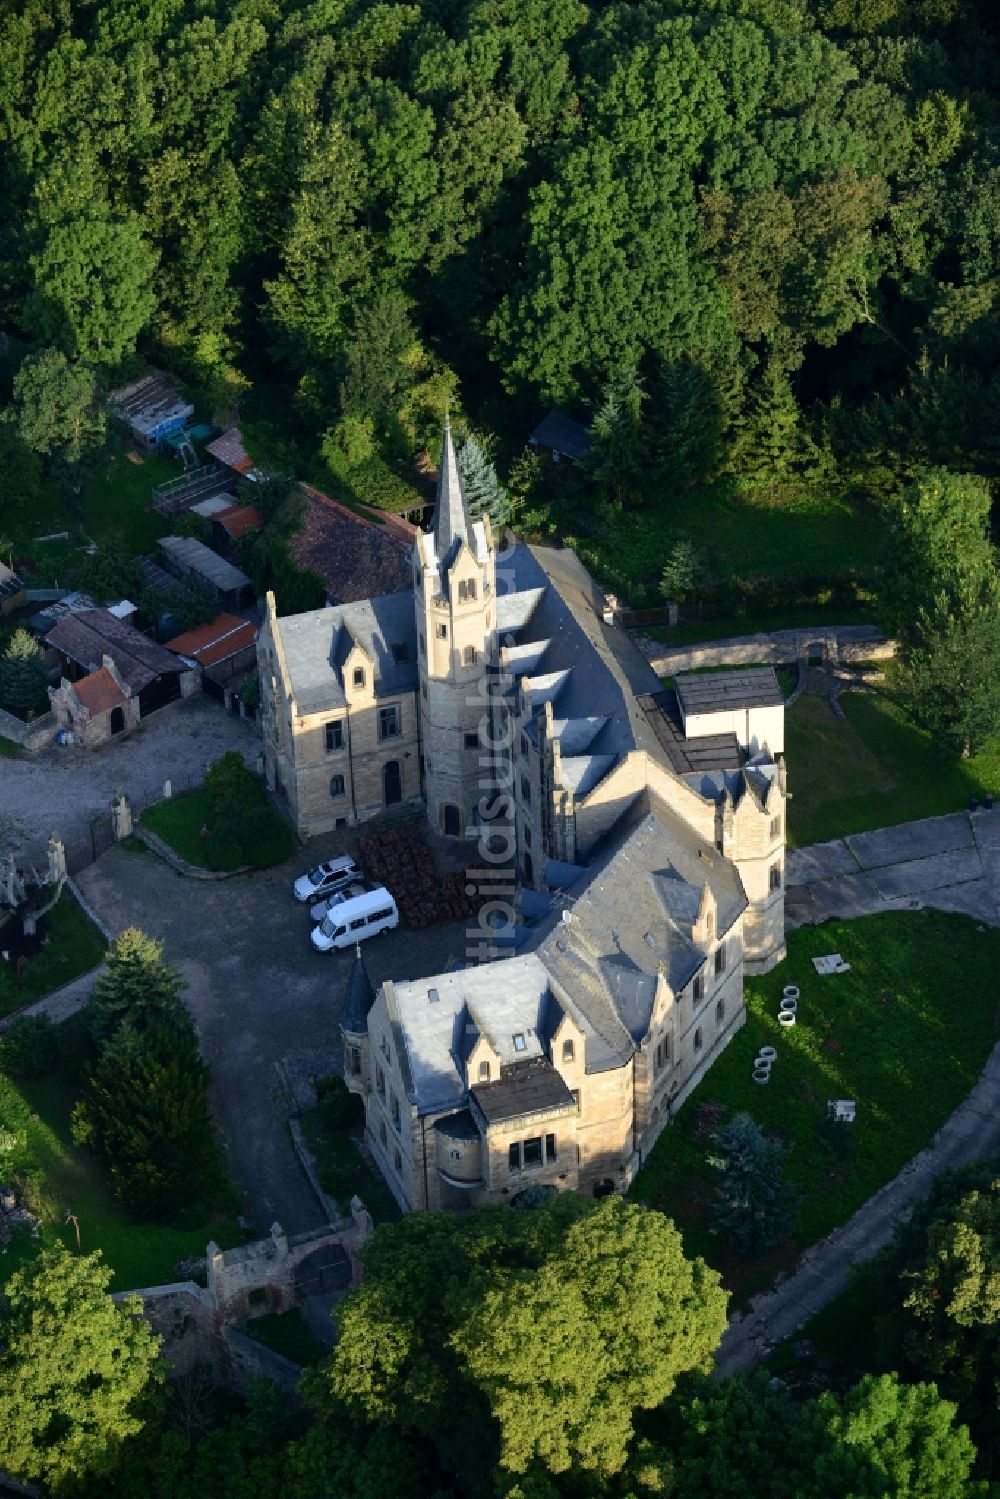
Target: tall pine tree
483,490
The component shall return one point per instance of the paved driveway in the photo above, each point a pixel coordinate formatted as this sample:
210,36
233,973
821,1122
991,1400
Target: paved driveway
259,994
952,863
60,790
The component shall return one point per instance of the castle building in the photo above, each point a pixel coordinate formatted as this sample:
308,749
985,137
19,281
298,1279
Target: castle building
645,827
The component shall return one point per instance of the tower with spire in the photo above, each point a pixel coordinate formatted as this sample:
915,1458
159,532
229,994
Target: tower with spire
454,584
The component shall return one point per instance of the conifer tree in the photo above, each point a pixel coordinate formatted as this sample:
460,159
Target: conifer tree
755,1204
23,674
137,986
483,490
146,1110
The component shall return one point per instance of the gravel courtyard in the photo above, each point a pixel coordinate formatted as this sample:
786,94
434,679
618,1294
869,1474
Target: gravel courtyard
259,993
60,790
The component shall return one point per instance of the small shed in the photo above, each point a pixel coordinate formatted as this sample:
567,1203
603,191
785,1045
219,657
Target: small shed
153,407
154,675
187,558
225,648
230,452
12,592
746,702
558,436
235,522
97,707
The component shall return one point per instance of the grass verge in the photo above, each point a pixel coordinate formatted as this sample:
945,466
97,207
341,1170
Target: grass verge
871,770
905,1034
343,1170
266,838
75,946
67,1179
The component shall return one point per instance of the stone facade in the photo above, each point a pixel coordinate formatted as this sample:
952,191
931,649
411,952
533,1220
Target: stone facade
96,708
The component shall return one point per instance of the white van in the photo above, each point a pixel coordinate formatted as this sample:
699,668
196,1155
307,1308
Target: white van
352,919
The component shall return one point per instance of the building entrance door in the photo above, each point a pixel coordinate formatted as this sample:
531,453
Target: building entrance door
117,720
392,783
452,821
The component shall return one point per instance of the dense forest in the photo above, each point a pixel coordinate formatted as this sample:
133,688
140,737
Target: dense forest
753,242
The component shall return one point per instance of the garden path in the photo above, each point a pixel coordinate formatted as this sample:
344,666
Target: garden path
971,1133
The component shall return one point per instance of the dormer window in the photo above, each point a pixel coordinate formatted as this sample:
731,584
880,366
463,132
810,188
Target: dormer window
567,1054
519,1042
359,676
484,1072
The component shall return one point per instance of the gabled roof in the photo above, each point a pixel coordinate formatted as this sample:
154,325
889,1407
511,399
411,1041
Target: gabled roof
87,637
316,645
562,434
356,558
194,556
99,692
229,449
237,520
224,636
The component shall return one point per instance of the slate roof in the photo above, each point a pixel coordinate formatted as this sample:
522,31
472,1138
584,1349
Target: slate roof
509,997
89,636
220,638
561,651
522,1088
450,524
562,434
706,753
99,692
193,556
355,558
360,998
316,645
719,691
630,919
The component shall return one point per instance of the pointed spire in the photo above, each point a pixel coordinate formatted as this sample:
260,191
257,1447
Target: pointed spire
450,524
360,997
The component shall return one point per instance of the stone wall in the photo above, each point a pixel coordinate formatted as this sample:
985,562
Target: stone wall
30,736
839,644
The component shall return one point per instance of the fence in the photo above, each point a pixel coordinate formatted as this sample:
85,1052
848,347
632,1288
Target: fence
85,845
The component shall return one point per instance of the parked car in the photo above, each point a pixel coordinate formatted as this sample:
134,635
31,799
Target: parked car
326,878
349,892
353,920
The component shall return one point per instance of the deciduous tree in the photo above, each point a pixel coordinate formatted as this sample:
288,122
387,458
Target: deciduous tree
74,1366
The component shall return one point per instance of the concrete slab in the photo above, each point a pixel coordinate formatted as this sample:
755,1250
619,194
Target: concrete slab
912,840
839,900
978,899
917,875
820,861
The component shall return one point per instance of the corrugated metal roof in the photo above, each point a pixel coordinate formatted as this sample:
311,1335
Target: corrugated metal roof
239,519
87,637
229,449
222,637
193,556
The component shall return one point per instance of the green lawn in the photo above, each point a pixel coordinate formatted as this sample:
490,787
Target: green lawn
75,946
179,823
757,619
343,1170
871,770
70,1179
288,1333
118,499
907,1059
745,535
9,750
